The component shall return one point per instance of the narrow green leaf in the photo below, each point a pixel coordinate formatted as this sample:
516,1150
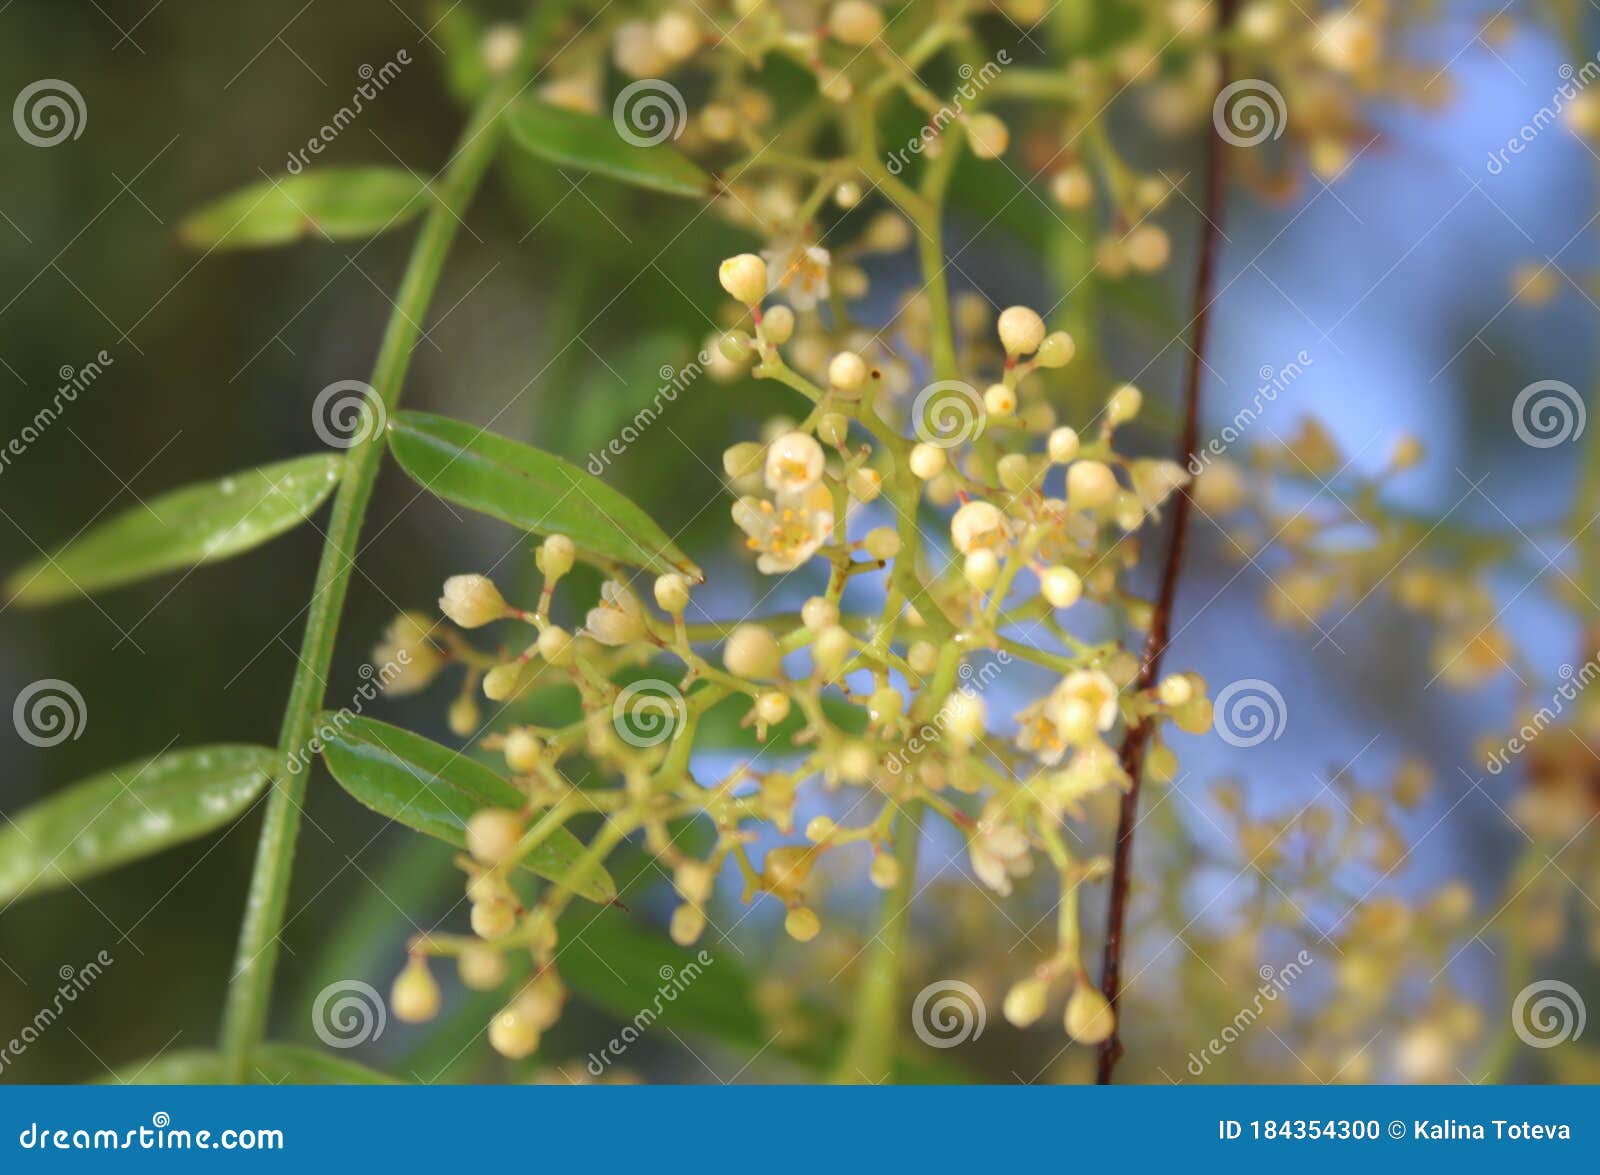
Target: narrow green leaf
569,138
126,813
338,203
531,489
434,790
270,1064
201,523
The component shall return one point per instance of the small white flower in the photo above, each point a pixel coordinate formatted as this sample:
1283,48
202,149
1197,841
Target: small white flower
799,270
1037,734
619,618
999,852
472,601
1086,697
786,532
794,463
1154,481
978,525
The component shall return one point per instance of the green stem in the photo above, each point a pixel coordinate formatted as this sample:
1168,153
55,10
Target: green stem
869,1054
249,994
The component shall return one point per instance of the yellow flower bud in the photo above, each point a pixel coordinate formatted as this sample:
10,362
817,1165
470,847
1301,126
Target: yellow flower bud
744,277
1026,1001
1089,1019
415,995
472,601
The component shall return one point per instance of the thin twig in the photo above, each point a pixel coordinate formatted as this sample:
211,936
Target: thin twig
1138,735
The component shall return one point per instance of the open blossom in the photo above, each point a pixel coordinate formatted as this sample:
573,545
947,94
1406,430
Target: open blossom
799,271
1154,481
787,531
1084,701
794,463
977,525
619,617
999,852
1037,734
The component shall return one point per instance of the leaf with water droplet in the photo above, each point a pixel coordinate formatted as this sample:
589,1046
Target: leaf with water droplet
200,523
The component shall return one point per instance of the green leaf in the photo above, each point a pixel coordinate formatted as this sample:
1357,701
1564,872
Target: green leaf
337,203
569,138
127,813
201,523
530,488
270,1064
434,790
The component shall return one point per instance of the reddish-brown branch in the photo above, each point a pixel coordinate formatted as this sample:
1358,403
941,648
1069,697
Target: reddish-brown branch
1138,735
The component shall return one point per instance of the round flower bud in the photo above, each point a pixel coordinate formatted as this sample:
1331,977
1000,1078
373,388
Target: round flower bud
988,136
802,924
500,45
772,707
1148,248
820,829
1123,405
999,400
1063,445
1016,472
555,556
923,656
687,925
1089,1019
981,569
964,717
512,1034
977,525
482,968
463,716
1061,586
831,648
778,324
1175,690
847,371
744,277
555,644
855,22
677,33
1090,485
672,593
522,750
492,920
865,485
1072,188
886,704
1026,1000
882,542
1057,350
848,194
415,995
752,651
735,346
927,461
1021,330
855,763
819,613
501,682
833,428
472,601
887,232
492,834
743,459
885,871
